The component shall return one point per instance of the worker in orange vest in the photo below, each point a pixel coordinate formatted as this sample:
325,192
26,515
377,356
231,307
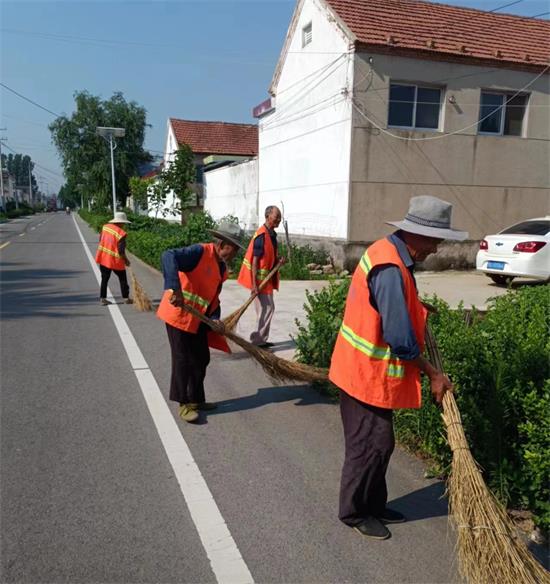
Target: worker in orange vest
111,257
377,359
194,275
260,258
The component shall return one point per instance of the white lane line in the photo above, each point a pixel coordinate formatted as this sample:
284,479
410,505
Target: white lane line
33,228
5,244
225,558
21,234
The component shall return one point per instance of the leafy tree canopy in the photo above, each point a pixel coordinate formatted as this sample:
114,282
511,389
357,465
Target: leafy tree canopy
18,166
85,156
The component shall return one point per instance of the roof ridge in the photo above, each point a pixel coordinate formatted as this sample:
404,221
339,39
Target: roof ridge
465,8
213,122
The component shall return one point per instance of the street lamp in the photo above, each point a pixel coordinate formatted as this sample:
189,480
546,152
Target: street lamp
108,134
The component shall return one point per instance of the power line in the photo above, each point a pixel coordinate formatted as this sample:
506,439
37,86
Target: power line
29,100
36,163
541,14
506,5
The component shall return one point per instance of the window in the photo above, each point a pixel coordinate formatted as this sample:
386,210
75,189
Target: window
502,114
539,227
307,34
412,106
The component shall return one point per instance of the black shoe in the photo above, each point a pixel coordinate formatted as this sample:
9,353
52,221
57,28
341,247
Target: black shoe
266,345
372,527
392,516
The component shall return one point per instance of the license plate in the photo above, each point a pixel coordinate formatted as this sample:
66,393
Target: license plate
495,265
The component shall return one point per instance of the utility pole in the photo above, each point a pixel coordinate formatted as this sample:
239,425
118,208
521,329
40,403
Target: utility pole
31,194
2,174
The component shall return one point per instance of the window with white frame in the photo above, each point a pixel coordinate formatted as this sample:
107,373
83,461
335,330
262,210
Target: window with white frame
502,114
307,34
414,106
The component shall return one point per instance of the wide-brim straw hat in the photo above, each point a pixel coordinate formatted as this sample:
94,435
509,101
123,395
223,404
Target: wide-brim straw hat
431,217
120,217
229,232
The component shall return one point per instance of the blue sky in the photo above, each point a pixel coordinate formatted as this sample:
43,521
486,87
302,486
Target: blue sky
196,60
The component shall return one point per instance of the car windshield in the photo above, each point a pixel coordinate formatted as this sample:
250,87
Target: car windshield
540,227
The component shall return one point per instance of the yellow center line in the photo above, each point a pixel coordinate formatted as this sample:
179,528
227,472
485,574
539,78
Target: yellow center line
5,244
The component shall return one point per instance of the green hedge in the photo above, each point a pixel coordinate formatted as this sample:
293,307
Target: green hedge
148,238
500,365
13,213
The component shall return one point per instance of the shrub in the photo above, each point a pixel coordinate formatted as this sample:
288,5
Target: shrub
500,366
324,312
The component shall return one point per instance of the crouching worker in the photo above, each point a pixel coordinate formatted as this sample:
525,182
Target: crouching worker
194,275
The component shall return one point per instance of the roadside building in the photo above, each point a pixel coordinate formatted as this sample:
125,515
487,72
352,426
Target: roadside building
214,144
375,101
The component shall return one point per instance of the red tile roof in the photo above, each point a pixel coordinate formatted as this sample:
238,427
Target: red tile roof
217,137
446,31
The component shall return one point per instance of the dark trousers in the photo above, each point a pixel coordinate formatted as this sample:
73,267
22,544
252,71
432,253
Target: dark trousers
190,358
106,274
369,443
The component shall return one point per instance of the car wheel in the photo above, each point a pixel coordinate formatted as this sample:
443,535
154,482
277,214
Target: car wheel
501,280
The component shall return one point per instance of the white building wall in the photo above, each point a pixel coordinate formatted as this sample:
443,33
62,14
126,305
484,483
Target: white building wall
233,190
304,145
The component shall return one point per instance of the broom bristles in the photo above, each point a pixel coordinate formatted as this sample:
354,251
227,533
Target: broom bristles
141,300
489,547
231,321
278,369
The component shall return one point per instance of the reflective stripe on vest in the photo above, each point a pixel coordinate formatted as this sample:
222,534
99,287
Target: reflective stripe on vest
362,362
117,235
200,288
264,265
107,251
196,299
395,369
115,254
260,272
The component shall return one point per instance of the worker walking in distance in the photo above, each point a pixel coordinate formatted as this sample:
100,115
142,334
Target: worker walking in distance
194,275
260,258
377,359
111,257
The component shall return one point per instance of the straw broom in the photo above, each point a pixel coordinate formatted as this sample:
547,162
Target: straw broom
276,368
141,300
489,547
231,321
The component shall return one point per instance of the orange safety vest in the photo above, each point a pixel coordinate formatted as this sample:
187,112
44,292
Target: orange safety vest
362,362
107,251
200,288
265,264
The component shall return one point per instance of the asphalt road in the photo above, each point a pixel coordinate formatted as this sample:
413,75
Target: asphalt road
88,493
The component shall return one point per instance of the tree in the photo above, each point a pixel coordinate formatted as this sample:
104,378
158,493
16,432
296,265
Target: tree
85,156
68,196
139,189
18,166
180,177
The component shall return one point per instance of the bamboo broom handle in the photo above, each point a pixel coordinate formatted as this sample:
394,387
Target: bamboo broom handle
262,285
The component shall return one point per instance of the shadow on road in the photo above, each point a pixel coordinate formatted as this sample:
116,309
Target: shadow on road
28,293
422,504
304,395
